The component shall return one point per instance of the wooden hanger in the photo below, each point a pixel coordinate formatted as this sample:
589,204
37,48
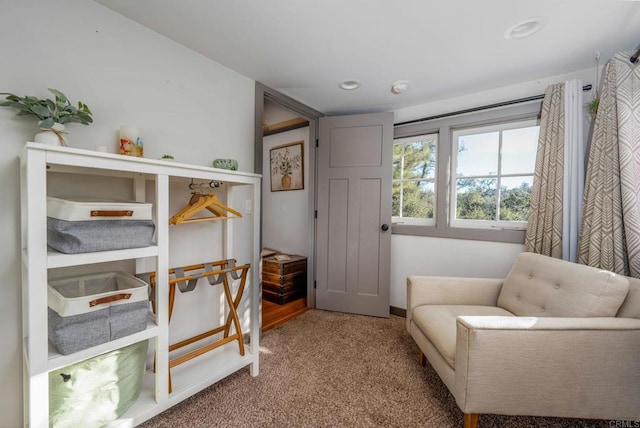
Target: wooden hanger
200,201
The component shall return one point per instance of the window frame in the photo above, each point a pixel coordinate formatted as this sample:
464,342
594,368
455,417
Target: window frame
496,127
415,220
443,127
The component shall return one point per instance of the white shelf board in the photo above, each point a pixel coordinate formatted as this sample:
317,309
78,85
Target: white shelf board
57,360
96,163
56,259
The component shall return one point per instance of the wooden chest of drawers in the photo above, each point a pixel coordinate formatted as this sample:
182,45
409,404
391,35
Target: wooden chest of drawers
284,280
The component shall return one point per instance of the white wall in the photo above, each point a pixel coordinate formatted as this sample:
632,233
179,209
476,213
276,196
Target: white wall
417,255
185,104
285,214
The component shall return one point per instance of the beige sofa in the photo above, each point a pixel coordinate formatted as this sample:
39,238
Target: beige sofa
552,339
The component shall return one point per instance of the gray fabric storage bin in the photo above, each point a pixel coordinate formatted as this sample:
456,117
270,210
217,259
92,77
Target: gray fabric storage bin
88,310
97,391
83,226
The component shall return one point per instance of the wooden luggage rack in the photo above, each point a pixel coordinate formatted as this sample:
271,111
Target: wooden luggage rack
216,272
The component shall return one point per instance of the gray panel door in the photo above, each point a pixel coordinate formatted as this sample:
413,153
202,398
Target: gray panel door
354,205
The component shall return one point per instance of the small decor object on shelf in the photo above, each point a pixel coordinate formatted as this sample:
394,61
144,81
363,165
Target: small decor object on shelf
231,164
287,167
167,157
131,141
52,114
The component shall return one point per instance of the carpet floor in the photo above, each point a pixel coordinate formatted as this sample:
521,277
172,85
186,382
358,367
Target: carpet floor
328,369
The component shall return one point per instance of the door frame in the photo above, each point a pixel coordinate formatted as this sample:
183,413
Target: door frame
262,94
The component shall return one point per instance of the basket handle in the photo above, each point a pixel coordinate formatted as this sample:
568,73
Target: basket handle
109,299
102,213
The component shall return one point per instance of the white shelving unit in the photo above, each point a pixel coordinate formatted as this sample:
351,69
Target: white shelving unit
40,358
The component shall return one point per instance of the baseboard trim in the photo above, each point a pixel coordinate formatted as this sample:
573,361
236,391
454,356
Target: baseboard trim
398,311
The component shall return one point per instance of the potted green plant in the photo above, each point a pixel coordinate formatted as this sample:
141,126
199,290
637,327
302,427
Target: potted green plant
52,114
593,106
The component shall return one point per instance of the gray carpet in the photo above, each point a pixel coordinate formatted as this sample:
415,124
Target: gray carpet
326,369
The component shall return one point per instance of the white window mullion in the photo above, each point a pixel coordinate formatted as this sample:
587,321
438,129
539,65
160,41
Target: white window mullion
499,180
402,164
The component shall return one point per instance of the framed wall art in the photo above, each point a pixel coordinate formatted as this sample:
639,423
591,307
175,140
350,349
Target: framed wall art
287,167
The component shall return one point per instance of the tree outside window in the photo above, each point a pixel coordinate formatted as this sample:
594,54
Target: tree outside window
414,179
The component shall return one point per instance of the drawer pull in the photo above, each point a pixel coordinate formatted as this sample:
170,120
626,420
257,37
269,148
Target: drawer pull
100,213
109,299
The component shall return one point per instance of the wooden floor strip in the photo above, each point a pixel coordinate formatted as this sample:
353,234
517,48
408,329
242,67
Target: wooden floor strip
274,314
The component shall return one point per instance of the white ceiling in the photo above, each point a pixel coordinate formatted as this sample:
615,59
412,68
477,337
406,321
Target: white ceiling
444,48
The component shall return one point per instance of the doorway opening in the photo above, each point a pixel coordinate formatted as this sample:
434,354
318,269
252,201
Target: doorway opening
285,144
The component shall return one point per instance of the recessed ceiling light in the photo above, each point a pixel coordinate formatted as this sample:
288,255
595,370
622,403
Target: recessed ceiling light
349,85
399,86
524,28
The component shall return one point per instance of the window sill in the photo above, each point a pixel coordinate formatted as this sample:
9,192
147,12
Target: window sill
492,235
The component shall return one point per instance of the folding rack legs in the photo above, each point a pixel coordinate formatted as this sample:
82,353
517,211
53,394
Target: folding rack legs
185,283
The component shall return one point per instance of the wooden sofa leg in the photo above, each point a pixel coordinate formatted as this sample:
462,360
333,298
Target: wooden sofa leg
422,359
470,420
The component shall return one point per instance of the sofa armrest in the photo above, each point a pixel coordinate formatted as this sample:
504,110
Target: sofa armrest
563,367
437,290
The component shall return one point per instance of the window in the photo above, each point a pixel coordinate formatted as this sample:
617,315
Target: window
478,172
493,174
414,180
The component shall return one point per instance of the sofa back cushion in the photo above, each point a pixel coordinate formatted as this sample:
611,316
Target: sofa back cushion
631,306
542,286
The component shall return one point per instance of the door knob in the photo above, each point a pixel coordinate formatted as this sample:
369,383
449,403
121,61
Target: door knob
385,227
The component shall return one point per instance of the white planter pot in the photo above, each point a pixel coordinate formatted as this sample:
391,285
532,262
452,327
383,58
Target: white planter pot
53,136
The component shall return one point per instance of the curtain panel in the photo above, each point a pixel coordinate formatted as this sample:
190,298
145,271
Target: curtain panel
610,232
574,166
544,227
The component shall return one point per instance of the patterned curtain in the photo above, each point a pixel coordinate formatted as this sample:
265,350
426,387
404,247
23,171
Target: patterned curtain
610,233
544,228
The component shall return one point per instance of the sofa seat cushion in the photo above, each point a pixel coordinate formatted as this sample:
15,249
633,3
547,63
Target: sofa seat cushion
541,286
438,324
